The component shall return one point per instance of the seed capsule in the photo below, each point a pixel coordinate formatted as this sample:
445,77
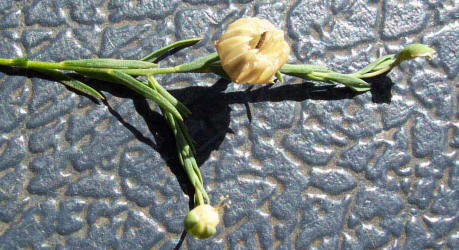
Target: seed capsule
252,50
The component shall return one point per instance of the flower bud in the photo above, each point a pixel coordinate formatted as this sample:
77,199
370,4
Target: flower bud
252,50
202,221
416,50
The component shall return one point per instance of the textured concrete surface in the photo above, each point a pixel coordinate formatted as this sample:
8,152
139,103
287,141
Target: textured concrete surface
304,166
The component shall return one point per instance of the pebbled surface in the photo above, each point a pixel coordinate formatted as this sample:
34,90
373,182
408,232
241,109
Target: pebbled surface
304,167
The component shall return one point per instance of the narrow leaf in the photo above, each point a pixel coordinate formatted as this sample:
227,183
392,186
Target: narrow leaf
302,70
98,76
371,66
109,63
186,135
279,77
145,91
162,91
72,83
354,83
158,53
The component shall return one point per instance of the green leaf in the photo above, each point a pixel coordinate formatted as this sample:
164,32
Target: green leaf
145,91
387,64
196,170
314,77
186,151
359,88
158,53
279,77
186,135
109,63
162,91
354,83
72,83
175,125
302,70
381,60
98,76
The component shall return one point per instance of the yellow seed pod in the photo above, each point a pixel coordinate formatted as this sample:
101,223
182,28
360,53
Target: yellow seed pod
252,50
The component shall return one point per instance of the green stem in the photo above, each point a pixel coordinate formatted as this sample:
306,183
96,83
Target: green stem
24,63
6,62
196,66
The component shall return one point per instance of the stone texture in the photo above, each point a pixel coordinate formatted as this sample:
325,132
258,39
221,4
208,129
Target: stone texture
305,166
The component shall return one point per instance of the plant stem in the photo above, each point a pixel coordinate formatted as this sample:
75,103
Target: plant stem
24,63
184,144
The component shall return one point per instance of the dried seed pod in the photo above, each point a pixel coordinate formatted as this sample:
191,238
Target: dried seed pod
252,50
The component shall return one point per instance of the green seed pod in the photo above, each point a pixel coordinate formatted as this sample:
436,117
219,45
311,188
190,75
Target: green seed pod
252,50
201,222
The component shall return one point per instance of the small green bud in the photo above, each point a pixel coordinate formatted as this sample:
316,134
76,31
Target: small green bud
416,50
202,221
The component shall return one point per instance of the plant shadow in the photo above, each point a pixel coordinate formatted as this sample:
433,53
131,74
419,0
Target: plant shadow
210,106
211,112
